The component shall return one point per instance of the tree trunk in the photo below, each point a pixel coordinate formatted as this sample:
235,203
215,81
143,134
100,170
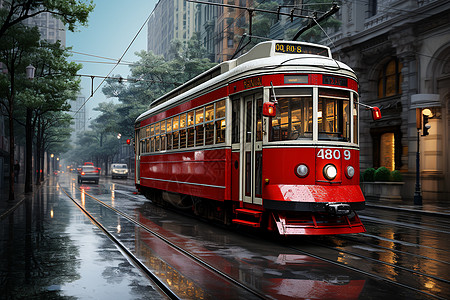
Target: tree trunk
29,153
11,151
38,154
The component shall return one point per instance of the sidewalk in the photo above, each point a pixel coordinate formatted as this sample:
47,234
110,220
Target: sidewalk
50,250
429,207
6,206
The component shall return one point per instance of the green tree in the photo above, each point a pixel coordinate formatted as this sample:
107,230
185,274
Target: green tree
17,42
51,89
15,48
151,77
70,12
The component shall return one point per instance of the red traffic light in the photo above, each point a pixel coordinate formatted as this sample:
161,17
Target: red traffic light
376,113
269,109
128,141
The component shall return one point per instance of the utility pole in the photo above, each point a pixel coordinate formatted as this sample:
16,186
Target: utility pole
422,116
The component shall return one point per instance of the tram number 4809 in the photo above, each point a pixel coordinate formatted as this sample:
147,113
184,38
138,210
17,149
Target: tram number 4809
333,154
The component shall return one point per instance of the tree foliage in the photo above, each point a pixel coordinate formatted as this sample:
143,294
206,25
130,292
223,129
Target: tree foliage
70,12
55,85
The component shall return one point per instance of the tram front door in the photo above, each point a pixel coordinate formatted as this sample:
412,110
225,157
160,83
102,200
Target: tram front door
251,146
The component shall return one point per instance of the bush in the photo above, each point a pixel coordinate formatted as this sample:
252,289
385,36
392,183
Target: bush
396,176
368,174
382,174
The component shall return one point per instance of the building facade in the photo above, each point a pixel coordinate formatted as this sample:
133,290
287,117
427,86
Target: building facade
50,28
170,19
401,52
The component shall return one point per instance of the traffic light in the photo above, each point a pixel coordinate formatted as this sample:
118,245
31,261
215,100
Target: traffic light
426,113
376,113
128,141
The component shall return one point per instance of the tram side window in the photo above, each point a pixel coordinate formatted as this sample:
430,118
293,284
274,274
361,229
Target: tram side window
209,125
169,134
190,129
334,115
259,127
355,119
199,127
235,116
175,134
293,120
220,122
182,131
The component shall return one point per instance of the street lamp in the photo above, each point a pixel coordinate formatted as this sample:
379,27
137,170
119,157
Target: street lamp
30,71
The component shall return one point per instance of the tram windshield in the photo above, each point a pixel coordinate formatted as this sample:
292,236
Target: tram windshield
334,115
294,116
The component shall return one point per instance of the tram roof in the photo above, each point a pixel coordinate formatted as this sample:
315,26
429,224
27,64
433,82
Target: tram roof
266,55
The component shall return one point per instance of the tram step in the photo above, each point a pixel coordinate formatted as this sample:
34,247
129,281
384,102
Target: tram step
246,223
255,213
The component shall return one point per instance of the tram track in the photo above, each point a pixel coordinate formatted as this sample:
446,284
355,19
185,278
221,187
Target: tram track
366,273
365,245
404,264
140,265
363,260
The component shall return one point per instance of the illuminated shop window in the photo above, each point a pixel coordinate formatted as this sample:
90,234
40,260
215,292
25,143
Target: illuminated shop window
387,150
389,79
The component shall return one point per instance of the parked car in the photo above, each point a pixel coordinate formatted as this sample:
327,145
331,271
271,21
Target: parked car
119,171
88,173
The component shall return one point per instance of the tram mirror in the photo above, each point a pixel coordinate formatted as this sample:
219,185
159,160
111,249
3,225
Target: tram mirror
269,109
376,113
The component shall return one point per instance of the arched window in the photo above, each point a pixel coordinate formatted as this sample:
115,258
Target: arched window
389,79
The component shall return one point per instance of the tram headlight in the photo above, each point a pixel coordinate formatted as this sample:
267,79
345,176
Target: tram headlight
330,172
350,172
302,170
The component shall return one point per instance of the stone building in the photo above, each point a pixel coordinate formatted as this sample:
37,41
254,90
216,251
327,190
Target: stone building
401,52
169,20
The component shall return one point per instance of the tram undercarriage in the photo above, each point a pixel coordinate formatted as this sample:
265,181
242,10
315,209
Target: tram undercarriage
285,223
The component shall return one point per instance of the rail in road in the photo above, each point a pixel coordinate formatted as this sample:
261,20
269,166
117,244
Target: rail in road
401,255
409,250
216,284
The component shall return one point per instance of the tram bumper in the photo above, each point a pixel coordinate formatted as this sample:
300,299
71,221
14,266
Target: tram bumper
314,198
314,210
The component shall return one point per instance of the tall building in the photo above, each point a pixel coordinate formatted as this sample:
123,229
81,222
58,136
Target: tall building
51,28
231,24
401,53
170,19
205,25
79,124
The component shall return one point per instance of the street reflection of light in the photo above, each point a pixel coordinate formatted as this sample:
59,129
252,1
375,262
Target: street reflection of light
113,194
341,258
119,228
180,284
83,197
51,213
430,284
388,256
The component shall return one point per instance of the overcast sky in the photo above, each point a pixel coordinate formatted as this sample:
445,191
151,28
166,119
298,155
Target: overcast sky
111,28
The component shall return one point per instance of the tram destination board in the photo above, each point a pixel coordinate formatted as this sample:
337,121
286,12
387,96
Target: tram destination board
333,80
300,49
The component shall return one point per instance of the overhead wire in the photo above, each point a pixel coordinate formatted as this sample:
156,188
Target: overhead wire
116,64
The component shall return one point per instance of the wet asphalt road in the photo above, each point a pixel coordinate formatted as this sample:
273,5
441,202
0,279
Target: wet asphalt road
50,249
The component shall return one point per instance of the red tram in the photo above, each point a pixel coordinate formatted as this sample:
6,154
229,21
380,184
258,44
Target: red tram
269,139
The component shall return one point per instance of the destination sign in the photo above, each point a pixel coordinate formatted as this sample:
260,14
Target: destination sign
332,80
300,49
252,82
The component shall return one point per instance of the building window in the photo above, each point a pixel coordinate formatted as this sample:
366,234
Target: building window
389,79
387,147
372,7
